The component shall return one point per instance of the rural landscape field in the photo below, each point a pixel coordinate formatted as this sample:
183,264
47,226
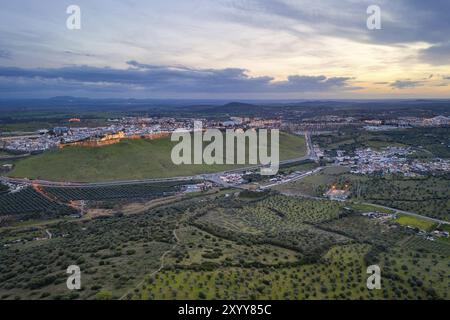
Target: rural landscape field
126,216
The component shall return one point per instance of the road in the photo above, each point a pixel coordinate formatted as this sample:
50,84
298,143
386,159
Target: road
46,183
300,176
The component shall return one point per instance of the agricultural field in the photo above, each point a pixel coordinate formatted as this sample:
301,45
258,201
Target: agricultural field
277,220
52,202
423,245
29,204
130,191
415,222
426,195
197,247
127,160
339,275
114,254
221,246
362,229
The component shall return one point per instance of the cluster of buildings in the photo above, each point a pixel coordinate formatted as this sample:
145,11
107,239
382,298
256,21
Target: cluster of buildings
406,122
326,123
123,128
389,160
13,187
337,194
247,123
319,154
385,217
198,187
320,126
29,144
380,216
439,234
428,235
384,127
232,178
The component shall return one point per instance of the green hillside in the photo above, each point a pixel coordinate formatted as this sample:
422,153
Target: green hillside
127,160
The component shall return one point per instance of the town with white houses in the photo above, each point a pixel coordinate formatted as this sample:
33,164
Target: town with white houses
390,160
123,128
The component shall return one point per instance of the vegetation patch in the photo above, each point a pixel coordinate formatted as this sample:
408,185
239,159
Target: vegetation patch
415,222
127,160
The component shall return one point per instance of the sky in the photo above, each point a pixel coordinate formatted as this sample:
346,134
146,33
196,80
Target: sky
225,49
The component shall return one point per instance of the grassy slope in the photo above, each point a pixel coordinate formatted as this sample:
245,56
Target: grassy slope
416,222
370,208
135,159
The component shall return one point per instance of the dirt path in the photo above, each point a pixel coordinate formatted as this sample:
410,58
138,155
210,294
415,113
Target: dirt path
161,266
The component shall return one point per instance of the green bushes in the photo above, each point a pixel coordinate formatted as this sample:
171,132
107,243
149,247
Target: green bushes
28,203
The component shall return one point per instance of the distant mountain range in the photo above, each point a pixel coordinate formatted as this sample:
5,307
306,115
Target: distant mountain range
196,107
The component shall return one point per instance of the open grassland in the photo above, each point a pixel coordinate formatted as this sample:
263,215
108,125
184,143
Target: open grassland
415,222
127,160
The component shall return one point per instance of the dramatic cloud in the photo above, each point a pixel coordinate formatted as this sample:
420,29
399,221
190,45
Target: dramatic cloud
284,48
5,54
162,80
438,54
403,21
80,54
404,84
